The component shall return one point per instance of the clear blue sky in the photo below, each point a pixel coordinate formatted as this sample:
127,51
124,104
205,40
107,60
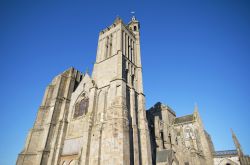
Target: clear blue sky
192,51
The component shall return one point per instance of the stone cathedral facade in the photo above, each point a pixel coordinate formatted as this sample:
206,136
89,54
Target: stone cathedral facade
102,120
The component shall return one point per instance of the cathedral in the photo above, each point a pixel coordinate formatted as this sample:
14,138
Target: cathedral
100,119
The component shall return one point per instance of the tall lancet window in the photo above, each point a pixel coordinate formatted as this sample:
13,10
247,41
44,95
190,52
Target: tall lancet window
110,45
81,107
123,43
131,50
128,52
133,80
106,47
126,75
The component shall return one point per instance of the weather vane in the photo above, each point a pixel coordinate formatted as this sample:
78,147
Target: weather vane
133,15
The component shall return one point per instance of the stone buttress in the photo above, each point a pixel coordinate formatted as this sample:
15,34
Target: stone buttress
44,141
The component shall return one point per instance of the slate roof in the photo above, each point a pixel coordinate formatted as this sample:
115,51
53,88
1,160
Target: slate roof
225,153
184,119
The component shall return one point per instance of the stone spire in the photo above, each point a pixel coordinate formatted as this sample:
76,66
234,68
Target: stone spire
195,107
117,20
237,144
196,113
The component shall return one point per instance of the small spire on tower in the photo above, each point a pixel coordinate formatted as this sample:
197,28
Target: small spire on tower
195,107
196,113
87,71
117,19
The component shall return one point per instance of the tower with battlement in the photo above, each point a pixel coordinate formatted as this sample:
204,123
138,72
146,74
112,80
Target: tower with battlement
98,119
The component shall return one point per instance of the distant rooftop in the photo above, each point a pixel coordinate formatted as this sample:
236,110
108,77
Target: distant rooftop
160,106
226,153
184,119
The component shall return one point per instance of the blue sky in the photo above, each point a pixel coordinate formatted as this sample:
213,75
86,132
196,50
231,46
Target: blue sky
192,52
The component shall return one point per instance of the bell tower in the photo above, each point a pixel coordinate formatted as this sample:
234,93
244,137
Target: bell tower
122,119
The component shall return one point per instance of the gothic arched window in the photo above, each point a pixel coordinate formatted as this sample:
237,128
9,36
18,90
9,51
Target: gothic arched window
188,133
133,80
81,107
